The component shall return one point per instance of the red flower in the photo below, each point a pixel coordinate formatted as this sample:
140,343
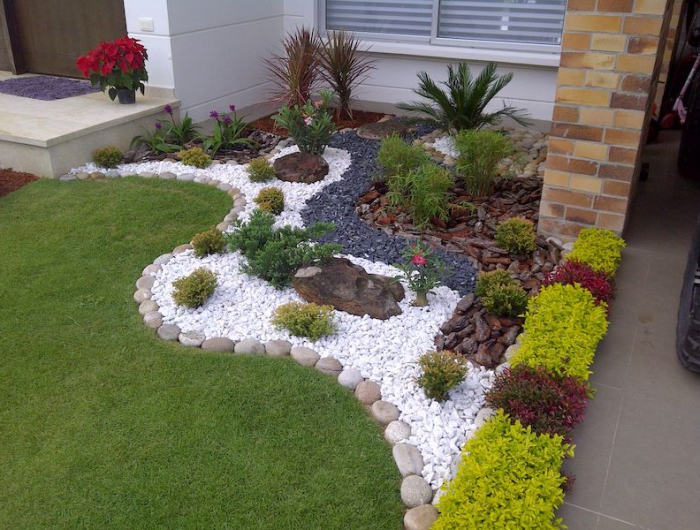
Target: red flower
419,260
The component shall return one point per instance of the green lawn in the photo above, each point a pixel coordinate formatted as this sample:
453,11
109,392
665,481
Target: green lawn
102,424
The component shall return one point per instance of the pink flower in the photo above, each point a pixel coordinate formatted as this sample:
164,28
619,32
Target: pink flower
418,260
307,120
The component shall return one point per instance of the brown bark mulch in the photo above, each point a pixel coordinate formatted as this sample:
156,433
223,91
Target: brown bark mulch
359,117
11,180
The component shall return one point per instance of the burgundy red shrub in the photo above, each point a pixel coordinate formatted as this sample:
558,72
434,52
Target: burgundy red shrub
535,398
571,272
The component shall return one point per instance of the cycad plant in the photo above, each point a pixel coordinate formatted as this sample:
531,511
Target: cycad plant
462,105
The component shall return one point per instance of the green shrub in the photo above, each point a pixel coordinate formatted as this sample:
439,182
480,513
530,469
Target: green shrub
508,478
195,289
563,326
270,200
194,156
260,170
505,300
396,157
424,192
309,125
600,248
441,372
488,280
209,242
305,320
479,153
276,254
516,235
109,157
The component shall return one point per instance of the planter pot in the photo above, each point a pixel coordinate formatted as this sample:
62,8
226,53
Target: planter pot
126,96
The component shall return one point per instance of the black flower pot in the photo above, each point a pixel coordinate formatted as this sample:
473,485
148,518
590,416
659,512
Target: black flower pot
126,96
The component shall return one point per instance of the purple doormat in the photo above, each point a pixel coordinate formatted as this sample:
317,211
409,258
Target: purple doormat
45,87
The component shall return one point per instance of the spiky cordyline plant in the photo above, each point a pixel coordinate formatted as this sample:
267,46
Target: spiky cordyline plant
343,67
296,71
462,105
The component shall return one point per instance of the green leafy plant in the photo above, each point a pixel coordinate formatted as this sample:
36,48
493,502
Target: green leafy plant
270,200
296,72
424,192
516,235
505,300
179,133
276,254
397,157
260,170
441,372
600,248
309,125
563,326
109,157
227,133
478,155
463,105
342,66
508,478
195,289
305,320
422,270
155,139
489,280
209,242
194,156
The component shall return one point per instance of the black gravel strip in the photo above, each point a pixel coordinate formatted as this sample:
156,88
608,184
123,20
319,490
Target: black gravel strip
336,204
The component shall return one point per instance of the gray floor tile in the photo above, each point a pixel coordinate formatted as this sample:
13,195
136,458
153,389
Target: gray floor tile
606,523
577,518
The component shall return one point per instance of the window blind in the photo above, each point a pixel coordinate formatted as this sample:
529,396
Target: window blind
517,21
398,17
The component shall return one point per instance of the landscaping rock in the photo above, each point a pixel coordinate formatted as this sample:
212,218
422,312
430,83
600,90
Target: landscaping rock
301,167
350,378
329,366
112,174
249,347
222,227
145,282
151,269
142,295
415,491
163,259
420,518
382,129
408,459
82,175
397,431
368,392
168,175
67,177
153,319
182,248
96,175
304,356
186,177
218,344
147,175
168,332
385,412
278,348
224,187
147,306
193,339
347,287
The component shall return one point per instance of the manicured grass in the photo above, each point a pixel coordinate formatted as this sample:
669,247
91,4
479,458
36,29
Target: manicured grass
104,425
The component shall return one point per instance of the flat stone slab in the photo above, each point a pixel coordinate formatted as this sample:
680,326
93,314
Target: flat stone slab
397,431
368,392
304,356
218,344
278,348
249,347
415,491
192,339
408,459
385,412
350,378
382,129
168,332
420,518
329,366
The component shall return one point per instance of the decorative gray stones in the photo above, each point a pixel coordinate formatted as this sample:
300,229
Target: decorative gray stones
193,339
397,431
142,295
218,344
420,518
168,175
415,491
112,174
385,412
153,319
168,332
151,269
186,177
147,306
278,348
163,259
224,187
182,248
368,392
145,282
408,459
67,177
223,226
82,175
249,347
350,378
329,366
304,356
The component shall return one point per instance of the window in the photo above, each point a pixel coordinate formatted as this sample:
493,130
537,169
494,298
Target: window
529,24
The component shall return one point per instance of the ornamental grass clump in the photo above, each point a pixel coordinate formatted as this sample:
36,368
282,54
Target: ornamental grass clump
270,200
508,478
398,158
424,192
576,272
179,133
441,371
563,325
501,295
195,289
516,235
549,405
260,170
194,156
600,248
312,321
296,73
109,157
479,153
208,242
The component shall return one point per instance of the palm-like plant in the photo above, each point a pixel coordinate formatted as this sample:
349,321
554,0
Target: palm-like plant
296,71
462,105
343,68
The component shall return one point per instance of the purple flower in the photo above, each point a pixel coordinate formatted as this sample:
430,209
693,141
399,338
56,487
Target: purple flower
232,107
227,119
214,114
168,109
159,125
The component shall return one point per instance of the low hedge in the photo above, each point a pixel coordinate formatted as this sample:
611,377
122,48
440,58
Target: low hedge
600,248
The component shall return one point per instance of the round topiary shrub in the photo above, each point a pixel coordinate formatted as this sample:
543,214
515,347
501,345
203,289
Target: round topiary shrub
505,301
488,280
109,157
260,170
516,235
193,290
599,248
194,156
209,242
270,200
305,320
442,371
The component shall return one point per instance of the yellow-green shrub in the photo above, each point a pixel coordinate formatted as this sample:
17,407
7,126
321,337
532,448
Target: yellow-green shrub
516,235
195,157
270,200
208,242
600,248
193,290
508,478
305,320
441,371
563,326
108,157
260,170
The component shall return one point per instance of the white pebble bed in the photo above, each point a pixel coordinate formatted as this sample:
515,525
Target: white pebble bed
445,145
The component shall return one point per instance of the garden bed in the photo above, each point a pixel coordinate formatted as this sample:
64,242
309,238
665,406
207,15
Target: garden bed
13,180
359,118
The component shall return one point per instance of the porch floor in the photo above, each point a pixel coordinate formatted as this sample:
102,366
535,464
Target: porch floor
637,461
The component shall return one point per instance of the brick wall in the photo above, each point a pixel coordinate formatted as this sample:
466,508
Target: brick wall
607,78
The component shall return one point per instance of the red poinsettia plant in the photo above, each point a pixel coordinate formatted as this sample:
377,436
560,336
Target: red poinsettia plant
120,64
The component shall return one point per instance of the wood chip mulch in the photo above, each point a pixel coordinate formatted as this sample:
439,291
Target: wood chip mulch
13,180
